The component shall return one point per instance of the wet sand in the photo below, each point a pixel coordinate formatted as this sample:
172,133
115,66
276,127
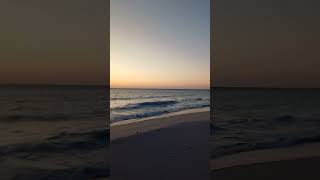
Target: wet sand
161,149
296,162
306,168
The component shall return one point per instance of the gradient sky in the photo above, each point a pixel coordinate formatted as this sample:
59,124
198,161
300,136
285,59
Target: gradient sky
266,43
53,42
160,43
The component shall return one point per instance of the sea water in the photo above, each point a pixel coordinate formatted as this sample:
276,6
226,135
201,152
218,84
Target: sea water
53,103
127,104
245,119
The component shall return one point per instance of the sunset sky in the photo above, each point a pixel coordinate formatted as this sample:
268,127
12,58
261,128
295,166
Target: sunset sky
160,43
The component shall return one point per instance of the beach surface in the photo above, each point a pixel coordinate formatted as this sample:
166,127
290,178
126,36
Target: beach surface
296,162
165,148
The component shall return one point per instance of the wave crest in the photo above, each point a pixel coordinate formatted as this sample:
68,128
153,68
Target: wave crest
145,104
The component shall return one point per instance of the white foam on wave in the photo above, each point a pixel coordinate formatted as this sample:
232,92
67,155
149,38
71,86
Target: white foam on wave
189,111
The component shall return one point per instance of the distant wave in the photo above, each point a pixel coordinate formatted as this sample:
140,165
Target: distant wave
95,115
148,114
138,97
137,104
194,100
34,117
145,104
157,103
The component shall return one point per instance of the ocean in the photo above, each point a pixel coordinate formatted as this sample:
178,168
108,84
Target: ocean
54,132
53,103
244,119
129,104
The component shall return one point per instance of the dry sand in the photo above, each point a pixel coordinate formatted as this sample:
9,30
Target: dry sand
168,148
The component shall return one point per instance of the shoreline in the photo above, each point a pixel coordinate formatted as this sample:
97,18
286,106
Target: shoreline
295,163
166,115
134,127
302,151
294,169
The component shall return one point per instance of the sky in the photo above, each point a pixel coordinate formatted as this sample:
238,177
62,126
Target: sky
160,44
53,42
266,43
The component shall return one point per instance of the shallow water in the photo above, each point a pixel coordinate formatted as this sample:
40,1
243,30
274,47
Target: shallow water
129,104
249,119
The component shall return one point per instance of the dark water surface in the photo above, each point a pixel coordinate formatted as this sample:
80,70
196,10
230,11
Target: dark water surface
143,103
248,119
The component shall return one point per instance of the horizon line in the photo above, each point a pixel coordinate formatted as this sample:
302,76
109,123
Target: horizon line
35,84
162,88
261,87
211,87
105,85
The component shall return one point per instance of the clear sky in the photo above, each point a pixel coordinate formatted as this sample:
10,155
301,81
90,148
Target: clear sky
266,43
160,43
53,42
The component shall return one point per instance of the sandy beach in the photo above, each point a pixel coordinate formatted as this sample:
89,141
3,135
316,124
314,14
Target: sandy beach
165,148
296,162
